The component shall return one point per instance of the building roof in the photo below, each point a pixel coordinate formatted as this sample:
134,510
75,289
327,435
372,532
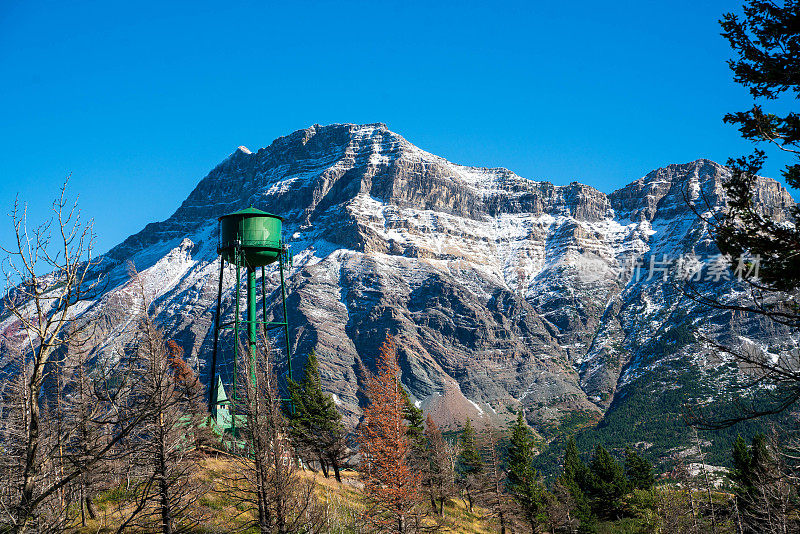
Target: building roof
219,395
250,212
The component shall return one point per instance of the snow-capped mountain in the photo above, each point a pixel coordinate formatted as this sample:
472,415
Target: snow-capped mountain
500,291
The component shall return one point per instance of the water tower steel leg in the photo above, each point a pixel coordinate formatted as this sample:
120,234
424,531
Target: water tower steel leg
285,319
264,300
236,348
252,321
213,373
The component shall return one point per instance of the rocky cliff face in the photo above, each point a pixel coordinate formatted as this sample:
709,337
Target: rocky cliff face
500,291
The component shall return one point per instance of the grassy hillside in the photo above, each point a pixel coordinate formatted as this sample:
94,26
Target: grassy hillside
342,505
665,508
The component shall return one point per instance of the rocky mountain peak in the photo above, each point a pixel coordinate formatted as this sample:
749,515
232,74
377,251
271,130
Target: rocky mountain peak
668,191
668,188
501,291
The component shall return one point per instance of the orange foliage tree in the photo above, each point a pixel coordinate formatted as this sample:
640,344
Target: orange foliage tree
190,390
182,372
392,489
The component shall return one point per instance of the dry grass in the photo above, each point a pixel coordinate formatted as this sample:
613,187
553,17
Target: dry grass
347,498
342,505
458,518
215,504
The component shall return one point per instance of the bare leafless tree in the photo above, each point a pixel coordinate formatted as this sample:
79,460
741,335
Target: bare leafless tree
163,446
560,509
768,502
13,431
266,483
493,496
83,435
49,272
439,470
81,425
675,510
760,249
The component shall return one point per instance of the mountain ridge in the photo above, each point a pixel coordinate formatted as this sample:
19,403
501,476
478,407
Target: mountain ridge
303,136
502,292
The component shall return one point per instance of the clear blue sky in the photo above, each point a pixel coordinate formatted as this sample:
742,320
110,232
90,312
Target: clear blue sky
139,100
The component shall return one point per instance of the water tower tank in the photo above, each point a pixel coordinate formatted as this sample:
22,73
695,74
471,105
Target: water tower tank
250,237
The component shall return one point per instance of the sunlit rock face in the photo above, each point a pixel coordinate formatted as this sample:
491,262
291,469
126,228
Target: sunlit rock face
500,291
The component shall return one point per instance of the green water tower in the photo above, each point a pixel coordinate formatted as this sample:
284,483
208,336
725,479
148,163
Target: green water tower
249,239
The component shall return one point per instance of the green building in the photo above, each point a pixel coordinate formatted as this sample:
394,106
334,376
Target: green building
222,408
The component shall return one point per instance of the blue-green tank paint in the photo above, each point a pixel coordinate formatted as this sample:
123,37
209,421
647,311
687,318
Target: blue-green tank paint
250,237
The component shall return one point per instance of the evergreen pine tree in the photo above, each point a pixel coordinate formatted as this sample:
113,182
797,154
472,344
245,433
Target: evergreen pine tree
315,424
638,470
574,478
469,459
766,39
575,471
740,473
607,485
416,421
748,462
524,482
415,431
